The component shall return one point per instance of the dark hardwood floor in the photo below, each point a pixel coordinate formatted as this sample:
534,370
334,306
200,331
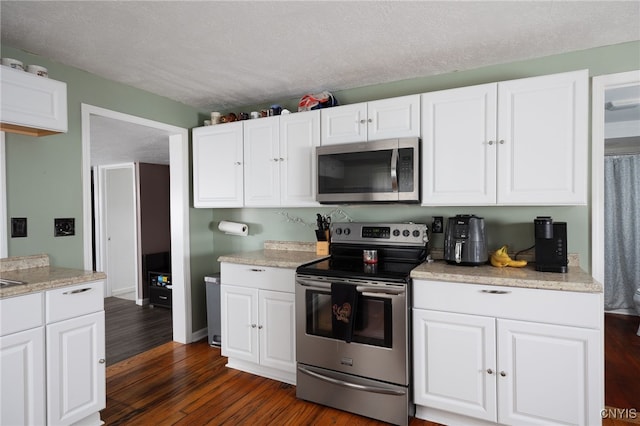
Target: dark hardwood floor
131,329
175,384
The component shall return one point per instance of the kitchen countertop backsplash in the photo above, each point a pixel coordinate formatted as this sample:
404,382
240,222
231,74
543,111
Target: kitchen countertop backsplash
39,275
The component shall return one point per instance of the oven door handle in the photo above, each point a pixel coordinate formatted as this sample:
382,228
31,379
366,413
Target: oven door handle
379,290
360,288
375,389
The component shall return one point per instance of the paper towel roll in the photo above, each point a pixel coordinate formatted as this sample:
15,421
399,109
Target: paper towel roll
234,228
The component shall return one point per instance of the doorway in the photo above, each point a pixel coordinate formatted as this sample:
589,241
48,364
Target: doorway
179,208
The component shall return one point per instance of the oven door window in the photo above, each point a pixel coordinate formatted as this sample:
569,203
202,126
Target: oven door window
372,321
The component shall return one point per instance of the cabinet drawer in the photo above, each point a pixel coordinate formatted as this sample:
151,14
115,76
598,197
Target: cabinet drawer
263,277
545,306
21,313
160,296
73,301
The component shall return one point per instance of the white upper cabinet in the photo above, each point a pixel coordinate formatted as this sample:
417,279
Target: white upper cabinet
458,146
299,137
382,119
262,162
279,155
32,105
543,139
520,142
217,165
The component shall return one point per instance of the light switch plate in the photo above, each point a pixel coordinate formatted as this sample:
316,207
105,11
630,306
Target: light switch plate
18,227
64,227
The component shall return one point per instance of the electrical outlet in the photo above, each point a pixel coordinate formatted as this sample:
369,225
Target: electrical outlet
437,225
64,227
18,227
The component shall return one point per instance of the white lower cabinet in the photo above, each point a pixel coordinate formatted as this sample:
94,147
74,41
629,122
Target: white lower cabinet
258,324
22,392
75,369
479,369
54,372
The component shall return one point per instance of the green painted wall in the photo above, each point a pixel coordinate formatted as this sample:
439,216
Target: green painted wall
44,174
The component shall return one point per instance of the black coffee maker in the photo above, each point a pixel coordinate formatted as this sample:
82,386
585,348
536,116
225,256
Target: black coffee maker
551,245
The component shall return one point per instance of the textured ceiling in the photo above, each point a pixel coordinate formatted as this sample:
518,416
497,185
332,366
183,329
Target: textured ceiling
219,55
216,55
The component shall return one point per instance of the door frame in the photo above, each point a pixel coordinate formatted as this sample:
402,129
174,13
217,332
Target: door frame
179,210
100,203
600,85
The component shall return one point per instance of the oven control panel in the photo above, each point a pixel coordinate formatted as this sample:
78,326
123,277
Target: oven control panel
379,233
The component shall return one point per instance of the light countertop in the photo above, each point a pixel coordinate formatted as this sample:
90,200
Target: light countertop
277,254
575,279
39,275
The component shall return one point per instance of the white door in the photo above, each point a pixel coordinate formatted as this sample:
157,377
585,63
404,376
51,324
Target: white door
22,378
276,329
459,146
262,162
344,124
543,374
120,261
454,357
393,118
239,321
217,166
76,385
543,139
299,137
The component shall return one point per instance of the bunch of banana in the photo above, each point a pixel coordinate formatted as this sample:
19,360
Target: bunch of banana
500,258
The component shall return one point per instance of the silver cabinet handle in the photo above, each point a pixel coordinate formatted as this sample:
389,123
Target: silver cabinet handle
259,327
77,291
495,291
489,371
102,361
253,325
503,374
237,163
501,142
256,270
491,142
363,121
281,159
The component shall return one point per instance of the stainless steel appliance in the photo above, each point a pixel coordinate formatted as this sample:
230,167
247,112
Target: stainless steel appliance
551,245
365,370
465,240
367,172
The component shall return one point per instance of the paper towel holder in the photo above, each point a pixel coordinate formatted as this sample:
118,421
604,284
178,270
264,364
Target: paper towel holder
234,228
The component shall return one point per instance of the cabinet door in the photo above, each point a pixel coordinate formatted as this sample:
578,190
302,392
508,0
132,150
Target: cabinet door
262,162
22,378
239,320
546,374
217,166
277,328
76,383
32,105
459,146
344,124
299,136
543,134
394,118
454,361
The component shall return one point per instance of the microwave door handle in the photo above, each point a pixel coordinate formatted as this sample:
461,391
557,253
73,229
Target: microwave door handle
394,170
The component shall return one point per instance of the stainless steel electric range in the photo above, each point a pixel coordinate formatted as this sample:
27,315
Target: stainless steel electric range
353,320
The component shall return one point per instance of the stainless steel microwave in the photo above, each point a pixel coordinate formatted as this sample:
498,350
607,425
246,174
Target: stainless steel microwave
366,172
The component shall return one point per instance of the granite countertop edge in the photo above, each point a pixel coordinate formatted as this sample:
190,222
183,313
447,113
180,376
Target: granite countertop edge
39,276
277,254
575,279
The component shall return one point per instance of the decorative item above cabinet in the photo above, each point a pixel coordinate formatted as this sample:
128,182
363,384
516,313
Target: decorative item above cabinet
32,105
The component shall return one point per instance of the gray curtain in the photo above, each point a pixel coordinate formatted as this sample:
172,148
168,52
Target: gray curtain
622,230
